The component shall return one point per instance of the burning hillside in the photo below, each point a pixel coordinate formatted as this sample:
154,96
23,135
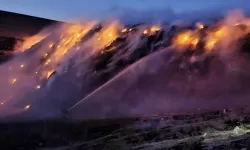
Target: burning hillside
102,69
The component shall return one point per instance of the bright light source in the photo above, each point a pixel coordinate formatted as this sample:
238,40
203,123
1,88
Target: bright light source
13,80
27,107
38,87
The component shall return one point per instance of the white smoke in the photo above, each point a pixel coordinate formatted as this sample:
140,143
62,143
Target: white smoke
23,93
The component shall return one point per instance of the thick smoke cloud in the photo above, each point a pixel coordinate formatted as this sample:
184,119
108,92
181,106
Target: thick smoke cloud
149,86
168,14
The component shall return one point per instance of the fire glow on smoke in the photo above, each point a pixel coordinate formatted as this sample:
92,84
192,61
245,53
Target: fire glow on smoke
58,46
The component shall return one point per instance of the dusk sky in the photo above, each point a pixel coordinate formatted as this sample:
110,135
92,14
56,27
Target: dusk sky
71,9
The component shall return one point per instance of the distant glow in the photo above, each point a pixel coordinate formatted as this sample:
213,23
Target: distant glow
27,107
124,30
13,80
51,45
49,73
30,41
21,66
199,25
155,28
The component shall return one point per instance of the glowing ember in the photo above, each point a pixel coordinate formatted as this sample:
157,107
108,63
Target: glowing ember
155,28
199,25
151,30
13,80
49,73
71,36
30,41
107,35
194,43
27,107
38,87
213,38
21,66
186,39
145,32
210,44
51,45
124,30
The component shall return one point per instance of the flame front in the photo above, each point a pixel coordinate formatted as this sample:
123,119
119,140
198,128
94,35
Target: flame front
225,33
68,39
30,41
152,30
107,35
186,39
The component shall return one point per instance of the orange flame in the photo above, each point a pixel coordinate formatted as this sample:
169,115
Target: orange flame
13,80
72,35
227,33
30,41
199,25
124,30
107,35
49,73
152,30
155,28
27,107
145,32
186,39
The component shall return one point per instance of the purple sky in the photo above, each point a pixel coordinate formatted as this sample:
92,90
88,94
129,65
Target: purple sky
66,10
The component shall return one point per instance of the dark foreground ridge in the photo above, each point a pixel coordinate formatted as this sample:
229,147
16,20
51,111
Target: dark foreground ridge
15,27
215,130
20,26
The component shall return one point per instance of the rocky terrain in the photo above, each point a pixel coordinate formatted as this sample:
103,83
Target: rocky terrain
215,130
